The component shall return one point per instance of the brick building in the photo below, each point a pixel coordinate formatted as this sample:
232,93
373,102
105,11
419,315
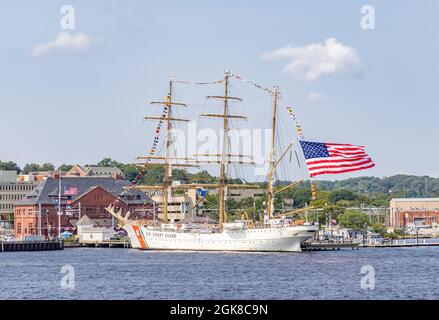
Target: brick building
407,212
11,191
37,213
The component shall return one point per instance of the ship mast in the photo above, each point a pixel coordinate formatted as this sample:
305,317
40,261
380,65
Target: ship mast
272,157
167,166
225,156
225,146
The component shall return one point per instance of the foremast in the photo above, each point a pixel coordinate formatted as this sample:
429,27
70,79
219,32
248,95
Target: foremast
167,166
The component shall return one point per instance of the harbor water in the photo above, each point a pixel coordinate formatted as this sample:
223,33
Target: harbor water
99,273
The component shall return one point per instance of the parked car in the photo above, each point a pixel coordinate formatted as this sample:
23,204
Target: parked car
9,237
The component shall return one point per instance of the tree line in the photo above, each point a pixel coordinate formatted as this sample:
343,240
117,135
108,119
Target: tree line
370,190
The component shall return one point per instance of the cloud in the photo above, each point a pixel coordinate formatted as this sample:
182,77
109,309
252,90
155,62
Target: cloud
317,59
315,97
64,41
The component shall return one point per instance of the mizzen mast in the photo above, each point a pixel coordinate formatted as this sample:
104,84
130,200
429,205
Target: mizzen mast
272,156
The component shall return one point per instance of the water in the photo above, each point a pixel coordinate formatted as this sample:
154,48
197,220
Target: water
400,273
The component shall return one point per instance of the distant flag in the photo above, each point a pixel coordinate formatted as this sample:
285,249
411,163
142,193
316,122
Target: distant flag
313,191
202,192
71,191
334,158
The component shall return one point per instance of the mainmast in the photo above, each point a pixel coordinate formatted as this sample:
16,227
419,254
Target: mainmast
272,157
225,146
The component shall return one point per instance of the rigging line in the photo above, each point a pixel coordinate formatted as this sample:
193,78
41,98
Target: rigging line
198,83
252,83
283,136
243,93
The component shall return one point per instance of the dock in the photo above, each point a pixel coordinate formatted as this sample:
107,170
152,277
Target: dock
323,246
102,244
31,245
401,243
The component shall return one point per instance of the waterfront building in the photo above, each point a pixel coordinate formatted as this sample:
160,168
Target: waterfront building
11,191
89,231
179,207
93,171
410,212
189,204
37,213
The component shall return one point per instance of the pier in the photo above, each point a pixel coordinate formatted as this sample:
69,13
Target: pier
31,245
101,244
401,243
323,246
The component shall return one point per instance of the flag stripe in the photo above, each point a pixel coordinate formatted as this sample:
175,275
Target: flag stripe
346,149
342,171
332,160
347,165
347,154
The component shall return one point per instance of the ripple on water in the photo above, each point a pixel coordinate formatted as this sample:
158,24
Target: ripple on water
400,273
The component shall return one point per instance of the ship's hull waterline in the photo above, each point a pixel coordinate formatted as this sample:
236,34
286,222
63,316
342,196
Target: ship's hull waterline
287,238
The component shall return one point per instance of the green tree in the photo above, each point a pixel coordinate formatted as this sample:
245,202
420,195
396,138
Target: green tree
130,172
108,162
64,167
339,195
9,165
353,219
33,167
47,167
379,228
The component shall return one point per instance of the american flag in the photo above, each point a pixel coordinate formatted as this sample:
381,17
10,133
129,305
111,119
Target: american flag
333,158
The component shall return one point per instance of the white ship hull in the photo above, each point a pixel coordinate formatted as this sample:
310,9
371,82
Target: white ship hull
279,238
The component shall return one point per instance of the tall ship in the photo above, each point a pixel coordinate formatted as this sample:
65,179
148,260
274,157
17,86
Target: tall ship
270,233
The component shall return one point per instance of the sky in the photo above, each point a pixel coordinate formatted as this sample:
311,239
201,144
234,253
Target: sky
77,96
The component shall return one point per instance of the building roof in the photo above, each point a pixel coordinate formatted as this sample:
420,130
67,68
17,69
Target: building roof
84,221
97,222
101,171
93,171
46,193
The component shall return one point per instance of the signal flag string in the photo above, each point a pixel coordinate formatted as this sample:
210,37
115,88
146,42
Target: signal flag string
299,132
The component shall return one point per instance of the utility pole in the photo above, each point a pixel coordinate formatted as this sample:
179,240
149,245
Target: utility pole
306,212
59,205
39,219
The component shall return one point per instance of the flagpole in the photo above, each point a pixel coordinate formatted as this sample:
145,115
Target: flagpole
59,206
